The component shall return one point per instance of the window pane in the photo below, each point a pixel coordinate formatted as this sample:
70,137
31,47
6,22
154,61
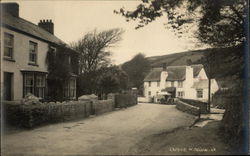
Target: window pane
8,45
33,52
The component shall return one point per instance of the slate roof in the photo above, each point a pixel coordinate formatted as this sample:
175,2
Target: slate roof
28,28
201,84
175,73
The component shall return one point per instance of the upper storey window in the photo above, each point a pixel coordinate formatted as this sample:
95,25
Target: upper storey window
33,52
8,45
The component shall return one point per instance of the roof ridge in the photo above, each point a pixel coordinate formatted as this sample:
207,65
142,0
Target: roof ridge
33,24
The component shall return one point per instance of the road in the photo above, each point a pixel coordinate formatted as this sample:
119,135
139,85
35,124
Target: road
117,132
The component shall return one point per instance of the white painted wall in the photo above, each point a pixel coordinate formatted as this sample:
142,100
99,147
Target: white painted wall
21,57
153,89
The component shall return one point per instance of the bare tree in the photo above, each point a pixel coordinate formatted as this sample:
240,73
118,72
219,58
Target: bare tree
93,48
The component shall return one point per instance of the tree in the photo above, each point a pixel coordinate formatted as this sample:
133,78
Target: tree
93,48
220,22
137,68
111,80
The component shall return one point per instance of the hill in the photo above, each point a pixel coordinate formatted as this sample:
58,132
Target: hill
175,59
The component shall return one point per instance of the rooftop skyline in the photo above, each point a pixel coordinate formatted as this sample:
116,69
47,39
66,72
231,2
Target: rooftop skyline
73,19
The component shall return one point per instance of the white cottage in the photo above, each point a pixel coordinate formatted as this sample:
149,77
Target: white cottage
189,82
24,48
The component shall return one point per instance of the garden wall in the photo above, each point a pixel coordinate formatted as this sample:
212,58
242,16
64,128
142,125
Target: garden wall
35,113
196,103
103,106
182,106
125,100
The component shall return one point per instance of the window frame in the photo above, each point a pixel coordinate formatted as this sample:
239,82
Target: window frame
69,90
199,95
149,83
35,87
33,53
180,84
9,46
181,94
149,93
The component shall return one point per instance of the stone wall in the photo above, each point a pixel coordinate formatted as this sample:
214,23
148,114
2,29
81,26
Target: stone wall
202,105
125,100
34,113
182,106
103,106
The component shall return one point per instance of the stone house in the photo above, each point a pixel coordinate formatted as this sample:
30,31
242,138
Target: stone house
188,82
24,52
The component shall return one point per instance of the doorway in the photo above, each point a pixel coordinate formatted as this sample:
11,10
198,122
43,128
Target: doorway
7,86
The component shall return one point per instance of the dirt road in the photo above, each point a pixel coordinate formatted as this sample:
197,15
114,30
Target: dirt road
117,132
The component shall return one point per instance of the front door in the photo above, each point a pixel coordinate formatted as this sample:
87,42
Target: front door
7,88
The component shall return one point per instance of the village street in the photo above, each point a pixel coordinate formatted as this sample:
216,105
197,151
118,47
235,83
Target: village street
117,132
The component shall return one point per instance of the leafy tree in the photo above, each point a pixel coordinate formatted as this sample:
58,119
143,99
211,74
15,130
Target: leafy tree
111,80
220,22
93,48
137,68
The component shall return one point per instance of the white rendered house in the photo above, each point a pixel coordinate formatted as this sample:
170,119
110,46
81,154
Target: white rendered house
188,82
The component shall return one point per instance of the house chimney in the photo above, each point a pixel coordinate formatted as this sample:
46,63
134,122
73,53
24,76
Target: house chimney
47,25
10,8
164,66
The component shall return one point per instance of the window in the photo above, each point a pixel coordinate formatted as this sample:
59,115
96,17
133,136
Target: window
199,93
158,84
34,83
149,93
70,88
181,94
149,84
8,45
33,53
40,85
180,84
172,83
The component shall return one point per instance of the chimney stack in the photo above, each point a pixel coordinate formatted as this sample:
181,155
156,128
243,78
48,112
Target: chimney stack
10,8
164,66
47,25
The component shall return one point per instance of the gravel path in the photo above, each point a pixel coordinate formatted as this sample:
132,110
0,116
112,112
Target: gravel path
117,132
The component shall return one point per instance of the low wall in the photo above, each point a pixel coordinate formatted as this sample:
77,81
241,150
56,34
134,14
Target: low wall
38,113
144,99
196,103
41,113
103,106
125,100
182,106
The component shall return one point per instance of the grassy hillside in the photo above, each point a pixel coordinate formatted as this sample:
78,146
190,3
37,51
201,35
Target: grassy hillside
177,58
223,62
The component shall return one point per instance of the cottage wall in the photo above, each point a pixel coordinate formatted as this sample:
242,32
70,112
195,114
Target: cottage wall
153,89
21,59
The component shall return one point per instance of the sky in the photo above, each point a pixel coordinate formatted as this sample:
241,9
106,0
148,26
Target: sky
73,19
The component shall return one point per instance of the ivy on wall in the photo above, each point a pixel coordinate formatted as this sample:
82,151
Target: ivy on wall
62,63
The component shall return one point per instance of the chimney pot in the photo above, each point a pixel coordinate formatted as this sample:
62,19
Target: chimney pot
47,25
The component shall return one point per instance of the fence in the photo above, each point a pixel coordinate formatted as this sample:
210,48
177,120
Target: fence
38,113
